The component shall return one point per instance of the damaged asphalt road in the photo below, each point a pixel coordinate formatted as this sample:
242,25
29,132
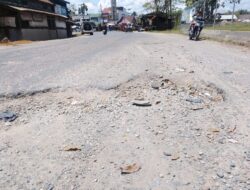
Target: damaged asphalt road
147,105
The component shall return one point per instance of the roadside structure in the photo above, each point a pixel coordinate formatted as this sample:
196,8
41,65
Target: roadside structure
34,19
107,14
125,21
227,18
244,18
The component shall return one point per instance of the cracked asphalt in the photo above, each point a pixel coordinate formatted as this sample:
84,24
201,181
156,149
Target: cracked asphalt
79,133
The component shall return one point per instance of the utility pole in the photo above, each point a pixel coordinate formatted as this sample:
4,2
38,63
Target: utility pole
114,9
234,2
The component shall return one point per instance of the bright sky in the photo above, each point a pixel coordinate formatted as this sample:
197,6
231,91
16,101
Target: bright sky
136,5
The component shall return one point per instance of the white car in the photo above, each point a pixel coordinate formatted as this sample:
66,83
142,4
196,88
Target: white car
87,28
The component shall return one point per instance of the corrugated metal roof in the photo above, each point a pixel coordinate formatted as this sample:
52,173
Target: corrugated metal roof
46,1
35,11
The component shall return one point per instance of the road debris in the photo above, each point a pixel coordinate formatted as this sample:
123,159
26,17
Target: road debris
231,130
157,102
175,157
156,85
194,100
228,72
247,155
220,174
232,141
8,116
197,108
130,169
72,149
167,153
214,130
141,103
180,70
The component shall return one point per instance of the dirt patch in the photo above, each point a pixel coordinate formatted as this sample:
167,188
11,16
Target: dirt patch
15,43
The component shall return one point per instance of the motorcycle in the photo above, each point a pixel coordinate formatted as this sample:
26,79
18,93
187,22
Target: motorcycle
105,32
195,30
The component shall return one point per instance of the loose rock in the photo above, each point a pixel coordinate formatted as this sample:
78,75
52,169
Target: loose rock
141,103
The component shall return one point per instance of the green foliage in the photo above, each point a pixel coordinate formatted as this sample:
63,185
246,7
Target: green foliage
72,10
242,12
163,6
83,9
148,6
206,6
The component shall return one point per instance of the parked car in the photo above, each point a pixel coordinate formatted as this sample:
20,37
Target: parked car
87,28
93,25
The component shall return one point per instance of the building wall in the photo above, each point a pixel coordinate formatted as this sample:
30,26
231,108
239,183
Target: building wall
14,34
62,33
60,23
43,34
35,34
8,21
42,22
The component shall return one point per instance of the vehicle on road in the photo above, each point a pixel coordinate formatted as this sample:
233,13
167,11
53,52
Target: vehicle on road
87,28
105,29
195,30
129,28
140,28
196,26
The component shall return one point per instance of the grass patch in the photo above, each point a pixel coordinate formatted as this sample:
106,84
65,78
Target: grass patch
231,27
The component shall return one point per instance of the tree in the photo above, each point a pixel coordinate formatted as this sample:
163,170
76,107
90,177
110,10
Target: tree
242,12
208,7
163,6
72,10
134,14
234,2
83,9
148,6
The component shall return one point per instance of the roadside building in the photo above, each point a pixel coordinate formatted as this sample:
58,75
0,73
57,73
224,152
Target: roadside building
96,18
157,21
244,18
227,18
121,12
34,19
125,21
107,14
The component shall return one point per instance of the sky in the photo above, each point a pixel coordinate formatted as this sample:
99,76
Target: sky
136,5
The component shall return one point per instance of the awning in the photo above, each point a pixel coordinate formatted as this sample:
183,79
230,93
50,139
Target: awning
22,9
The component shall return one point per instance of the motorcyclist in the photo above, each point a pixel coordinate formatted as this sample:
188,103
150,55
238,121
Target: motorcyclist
105,29
198,17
